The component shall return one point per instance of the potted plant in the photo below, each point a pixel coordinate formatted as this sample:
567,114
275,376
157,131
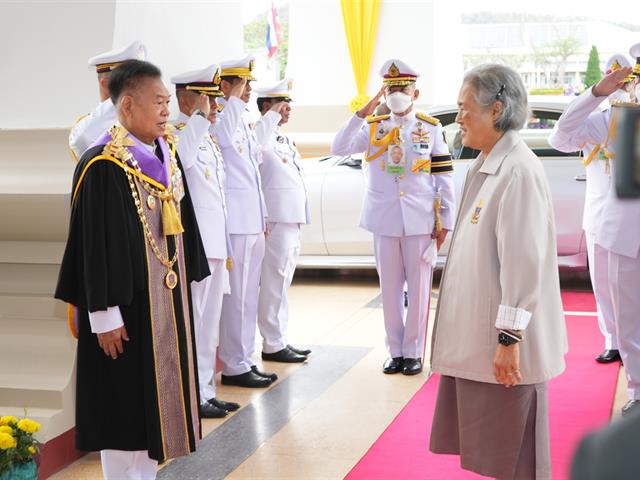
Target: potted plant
18,448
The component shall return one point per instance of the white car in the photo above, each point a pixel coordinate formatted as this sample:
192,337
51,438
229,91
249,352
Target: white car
336,190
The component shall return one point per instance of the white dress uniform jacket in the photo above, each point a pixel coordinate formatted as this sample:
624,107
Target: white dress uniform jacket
242,154
88,128
619,229
400,205
283,183
204,169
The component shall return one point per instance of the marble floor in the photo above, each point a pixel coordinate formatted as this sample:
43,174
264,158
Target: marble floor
320,417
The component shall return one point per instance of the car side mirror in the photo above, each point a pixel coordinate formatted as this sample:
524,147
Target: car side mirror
353,162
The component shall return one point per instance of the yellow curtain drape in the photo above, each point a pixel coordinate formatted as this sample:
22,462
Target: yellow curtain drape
361,26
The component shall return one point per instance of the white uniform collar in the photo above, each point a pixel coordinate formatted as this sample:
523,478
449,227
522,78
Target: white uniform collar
182,118
402,119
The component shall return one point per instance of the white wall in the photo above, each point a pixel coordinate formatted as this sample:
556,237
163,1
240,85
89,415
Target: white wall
44,46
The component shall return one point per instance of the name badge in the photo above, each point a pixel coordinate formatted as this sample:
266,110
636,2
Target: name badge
396,160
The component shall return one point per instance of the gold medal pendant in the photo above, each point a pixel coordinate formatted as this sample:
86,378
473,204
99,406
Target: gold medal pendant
171,279
151,202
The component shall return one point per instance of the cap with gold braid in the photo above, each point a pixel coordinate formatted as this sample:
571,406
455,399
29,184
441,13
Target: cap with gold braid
395,72
242,68
106,62
616,62
282,89
634,51
205,81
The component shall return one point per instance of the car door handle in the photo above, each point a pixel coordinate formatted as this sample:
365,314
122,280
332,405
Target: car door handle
580,178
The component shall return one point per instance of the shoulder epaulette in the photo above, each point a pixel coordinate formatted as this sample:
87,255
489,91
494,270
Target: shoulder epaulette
426,118
81,117
180,126
377,118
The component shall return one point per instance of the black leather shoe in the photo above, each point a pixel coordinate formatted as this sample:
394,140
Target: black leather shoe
207,410
271,376
393,365
412,366
228,406
608,356
630,407
249,380
299,351
285,356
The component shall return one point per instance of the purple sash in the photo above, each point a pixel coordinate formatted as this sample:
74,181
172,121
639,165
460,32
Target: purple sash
149,163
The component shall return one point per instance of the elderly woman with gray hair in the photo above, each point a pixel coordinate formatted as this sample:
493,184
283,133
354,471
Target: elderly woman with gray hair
499,333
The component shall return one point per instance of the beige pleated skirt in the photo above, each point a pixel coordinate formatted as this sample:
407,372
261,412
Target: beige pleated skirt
498,432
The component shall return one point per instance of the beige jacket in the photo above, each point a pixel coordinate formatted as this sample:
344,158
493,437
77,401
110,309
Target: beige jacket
502,271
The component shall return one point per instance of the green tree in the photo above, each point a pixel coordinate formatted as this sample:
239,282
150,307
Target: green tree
593,74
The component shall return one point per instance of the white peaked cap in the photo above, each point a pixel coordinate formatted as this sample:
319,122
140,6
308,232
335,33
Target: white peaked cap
282,89
396,72
105,62
238,68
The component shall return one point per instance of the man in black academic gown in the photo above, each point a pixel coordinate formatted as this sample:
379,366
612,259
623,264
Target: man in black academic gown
132,251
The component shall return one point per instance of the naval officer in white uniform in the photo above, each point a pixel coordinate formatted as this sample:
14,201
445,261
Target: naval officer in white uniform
598,179
287,202
409,206
241,151
201,158
619,229
89,127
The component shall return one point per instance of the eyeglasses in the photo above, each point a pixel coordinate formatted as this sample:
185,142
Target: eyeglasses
500,92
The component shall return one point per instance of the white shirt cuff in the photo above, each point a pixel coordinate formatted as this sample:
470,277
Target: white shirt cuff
511,318
105,320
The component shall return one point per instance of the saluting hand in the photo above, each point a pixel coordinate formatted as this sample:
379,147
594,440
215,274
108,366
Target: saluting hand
202,103
370,107
111,342
238,89
278,107
611,82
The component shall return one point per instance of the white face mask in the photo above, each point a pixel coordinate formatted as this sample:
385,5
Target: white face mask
619,96
399,102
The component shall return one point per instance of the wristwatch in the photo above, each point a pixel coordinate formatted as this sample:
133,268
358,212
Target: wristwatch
506,340
197,111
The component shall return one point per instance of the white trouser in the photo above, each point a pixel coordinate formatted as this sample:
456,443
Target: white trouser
599,273
207,307
279,264
400,260
624,273
239,309
124,465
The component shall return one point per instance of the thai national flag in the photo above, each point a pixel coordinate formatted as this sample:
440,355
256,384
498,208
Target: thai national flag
274,34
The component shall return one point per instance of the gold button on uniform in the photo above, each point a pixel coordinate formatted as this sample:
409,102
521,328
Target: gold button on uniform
402,194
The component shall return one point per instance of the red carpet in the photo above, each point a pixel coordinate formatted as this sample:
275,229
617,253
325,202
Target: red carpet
579,401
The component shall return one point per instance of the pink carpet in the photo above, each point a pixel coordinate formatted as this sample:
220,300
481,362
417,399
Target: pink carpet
580,400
